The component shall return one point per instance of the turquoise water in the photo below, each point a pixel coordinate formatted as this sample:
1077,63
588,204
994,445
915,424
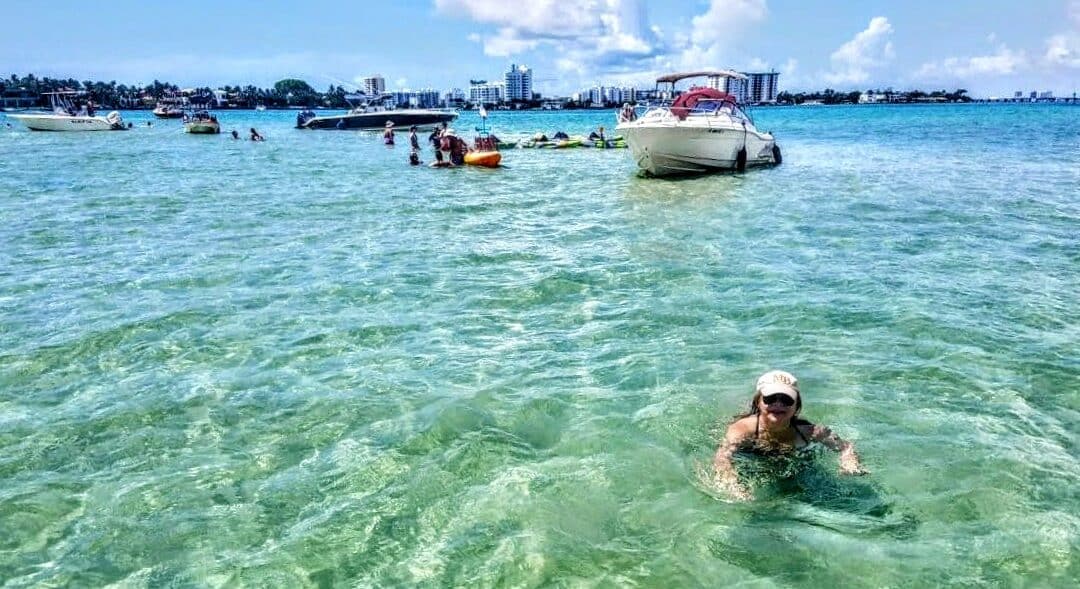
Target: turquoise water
304,363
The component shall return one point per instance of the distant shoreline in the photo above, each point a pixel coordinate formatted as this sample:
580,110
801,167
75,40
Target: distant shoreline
983,102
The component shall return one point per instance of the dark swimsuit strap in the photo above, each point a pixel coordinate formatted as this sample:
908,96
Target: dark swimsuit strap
794,424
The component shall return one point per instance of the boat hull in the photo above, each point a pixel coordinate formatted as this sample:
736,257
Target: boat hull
377,120
168,114
64,123
203,128
675,149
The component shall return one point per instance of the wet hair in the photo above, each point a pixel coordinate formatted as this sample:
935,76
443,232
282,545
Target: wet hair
755,410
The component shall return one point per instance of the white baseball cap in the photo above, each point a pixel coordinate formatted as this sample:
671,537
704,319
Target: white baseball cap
778,381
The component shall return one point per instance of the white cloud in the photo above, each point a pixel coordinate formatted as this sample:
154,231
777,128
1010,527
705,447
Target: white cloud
608,38
724,19
601,31
1063,50
1004,62
868,49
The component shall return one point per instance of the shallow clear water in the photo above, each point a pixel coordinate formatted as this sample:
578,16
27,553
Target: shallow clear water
304,363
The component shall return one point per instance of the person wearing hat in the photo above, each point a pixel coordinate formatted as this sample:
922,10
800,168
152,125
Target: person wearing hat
388,134
772,427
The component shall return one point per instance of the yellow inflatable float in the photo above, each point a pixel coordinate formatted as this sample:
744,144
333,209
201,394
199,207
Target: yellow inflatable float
487,159
485,152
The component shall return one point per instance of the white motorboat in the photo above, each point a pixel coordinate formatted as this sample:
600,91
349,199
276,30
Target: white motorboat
202,123
373,114
64,116
703,130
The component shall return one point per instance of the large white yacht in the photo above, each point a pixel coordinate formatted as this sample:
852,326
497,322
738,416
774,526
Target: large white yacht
702,130
373,113
64,116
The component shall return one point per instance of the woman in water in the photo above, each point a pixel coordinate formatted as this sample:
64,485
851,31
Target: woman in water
388,134
772,427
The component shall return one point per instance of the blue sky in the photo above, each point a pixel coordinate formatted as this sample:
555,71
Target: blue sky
988,47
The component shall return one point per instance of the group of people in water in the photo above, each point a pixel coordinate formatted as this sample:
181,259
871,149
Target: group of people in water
449,149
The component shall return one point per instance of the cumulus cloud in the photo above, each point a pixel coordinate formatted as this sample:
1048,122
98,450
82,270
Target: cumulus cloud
585,34
1004,62
1063,49
868,49
724,19
612,38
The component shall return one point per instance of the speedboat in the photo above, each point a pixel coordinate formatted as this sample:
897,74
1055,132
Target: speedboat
202,123
373,114
703,130
64,116
167,110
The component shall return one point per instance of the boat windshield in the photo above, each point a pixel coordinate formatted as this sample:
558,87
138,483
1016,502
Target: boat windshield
719,107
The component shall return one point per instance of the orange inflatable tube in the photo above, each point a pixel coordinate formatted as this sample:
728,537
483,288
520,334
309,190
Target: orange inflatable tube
487,159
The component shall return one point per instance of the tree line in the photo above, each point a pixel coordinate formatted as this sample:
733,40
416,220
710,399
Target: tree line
830,96
284,93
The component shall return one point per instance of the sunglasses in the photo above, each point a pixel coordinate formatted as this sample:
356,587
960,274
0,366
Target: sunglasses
781,398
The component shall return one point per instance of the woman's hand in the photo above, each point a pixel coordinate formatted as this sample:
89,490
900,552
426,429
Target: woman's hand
728,483
849,463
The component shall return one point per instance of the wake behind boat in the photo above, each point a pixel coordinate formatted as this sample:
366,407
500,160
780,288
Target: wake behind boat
373,114
703,130
65,117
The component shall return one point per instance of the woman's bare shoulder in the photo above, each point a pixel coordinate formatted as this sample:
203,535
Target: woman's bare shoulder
741,428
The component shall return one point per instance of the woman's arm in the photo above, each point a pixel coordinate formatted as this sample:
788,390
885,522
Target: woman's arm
849,459
724,475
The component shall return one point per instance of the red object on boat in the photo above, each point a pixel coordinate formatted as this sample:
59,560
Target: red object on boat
688,100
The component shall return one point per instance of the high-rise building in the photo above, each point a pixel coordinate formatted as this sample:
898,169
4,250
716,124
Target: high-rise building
758,87
374,85
424,98
518,83
762,87
739,88
481,92
454,98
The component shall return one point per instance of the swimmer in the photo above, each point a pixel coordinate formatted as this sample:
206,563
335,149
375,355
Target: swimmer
149,123
255,135
235,135
771,427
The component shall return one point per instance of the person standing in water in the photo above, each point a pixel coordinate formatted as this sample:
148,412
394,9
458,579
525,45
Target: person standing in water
414,141
772,427
388,134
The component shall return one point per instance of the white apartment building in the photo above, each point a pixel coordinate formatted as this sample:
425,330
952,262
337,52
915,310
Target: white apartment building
481,92
374,85
517,83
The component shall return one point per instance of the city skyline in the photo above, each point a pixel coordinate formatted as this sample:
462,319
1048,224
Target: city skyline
444,43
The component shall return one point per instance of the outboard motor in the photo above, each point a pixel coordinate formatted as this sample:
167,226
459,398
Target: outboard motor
114,120
303,117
